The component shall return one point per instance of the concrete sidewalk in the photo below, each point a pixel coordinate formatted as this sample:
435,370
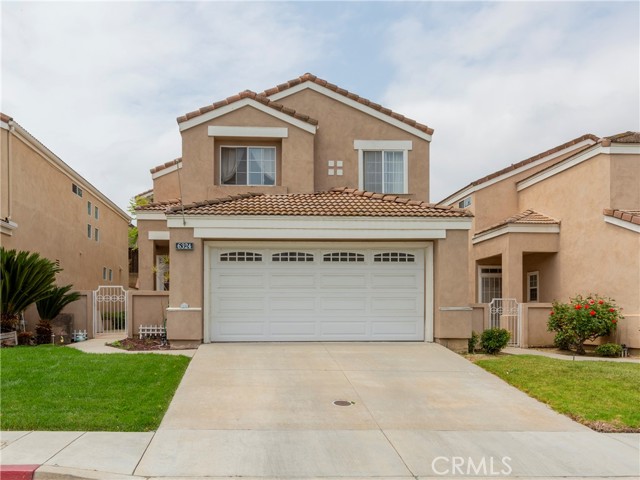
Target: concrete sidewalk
560,356
337,454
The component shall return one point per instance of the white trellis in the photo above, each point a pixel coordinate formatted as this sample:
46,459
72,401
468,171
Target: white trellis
506,313
109,310
145,331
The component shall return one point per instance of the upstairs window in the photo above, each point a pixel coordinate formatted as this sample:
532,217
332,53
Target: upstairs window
96,212
89,208
465,203
248,165
384,171
76,189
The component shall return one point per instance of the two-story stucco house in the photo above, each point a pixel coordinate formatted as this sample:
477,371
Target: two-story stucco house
49,208
561,223
301,213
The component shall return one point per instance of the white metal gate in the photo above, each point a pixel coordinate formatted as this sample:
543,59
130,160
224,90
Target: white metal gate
109,310
506,313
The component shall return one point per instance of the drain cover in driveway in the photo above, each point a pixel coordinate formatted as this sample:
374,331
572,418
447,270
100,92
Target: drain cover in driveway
343,403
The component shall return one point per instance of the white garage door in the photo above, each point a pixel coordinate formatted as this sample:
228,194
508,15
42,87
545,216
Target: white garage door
295,294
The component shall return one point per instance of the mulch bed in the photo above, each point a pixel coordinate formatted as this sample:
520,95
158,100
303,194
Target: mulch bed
137,344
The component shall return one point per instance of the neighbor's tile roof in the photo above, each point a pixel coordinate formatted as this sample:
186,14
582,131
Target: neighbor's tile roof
625,137
632,216
308,77
5,118
159,206
341,202
528,217
168,164
254,96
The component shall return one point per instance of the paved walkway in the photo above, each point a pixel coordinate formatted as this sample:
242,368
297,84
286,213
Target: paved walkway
98,345
263,411
560,356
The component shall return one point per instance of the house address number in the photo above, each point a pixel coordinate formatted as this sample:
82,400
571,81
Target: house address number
184,245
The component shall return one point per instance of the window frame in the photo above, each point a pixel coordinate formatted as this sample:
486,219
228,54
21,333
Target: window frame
89,231
488,275
96,234
536,275
247,147
96,212
404,146
465,202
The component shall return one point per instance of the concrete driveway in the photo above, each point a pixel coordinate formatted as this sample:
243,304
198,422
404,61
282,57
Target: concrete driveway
267,410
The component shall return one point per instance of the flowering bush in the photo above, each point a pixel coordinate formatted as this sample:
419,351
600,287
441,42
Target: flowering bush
582,319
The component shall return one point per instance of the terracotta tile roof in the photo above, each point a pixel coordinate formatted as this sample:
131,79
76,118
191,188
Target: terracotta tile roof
341,202
159,206
168,164
254,96
632,216
528,217
308,77
146,193
5,118
625,137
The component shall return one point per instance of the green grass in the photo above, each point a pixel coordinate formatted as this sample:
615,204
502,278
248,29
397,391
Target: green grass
590,392
60,388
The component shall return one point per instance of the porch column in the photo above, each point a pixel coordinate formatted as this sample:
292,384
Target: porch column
512,274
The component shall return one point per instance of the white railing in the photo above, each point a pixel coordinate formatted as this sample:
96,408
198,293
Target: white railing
507,313
109,310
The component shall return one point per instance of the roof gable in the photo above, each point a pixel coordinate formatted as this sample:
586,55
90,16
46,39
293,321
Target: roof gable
349,98
235,102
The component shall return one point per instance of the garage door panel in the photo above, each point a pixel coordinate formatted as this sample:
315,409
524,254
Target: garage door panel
291,303
242,279
314,300
292,280
386,305
329,280
357,304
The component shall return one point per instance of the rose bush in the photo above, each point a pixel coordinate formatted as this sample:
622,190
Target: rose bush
582,319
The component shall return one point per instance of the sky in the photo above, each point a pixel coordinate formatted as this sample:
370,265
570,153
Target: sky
101,83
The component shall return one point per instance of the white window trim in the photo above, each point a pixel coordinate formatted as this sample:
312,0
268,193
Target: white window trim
166,171
218,112
158,235
622,223
7,227
249,132
529,275
384,145
275,167
486,275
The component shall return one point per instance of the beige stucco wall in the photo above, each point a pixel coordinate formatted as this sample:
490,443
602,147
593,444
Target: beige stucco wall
453,315
147,251
146,308
81,309
199,172
52,220
166,187
624,182
340,125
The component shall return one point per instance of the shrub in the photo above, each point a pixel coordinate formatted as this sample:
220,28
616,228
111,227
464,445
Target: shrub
50,307
494,340
473,342
25,338
609,350
582,319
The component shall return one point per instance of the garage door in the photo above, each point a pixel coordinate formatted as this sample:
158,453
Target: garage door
295,294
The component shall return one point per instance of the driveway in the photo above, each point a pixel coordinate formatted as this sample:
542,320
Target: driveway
267,409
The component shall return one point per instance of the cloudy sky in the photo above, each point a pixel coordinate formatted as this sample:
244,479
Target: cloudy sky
101,84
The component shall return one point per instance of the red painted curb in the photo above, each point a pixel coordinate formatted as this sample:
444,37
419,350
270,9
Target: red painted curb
17,472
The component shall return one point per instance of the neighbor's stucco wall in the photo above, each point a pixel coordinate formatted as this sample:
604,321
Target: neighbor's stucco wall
624,182
339,126
166,187
200,172
52,220
594,256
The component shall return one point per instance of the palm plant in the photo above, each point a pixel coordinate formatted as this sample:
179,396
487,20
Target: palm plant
25,278
50,307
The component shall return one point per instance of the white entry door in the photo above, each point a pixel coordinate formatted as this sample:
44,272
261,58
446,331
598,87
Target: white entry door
317,294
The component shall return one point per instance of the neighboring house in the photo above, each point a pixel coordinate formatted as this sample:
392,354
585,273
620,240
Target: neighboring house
564,222
47,207
301,213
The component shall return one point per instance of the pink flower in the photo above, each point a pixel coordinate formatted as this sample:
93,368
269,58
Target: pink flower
592,313
600,302
578,307
612,310
614,321
552,312
592,301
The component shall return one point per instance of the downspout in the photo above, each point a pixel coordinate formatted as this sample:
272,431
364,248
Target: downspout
9,186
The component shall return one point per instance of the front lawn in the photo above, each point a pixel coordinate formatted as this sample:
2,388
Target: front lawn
602,395
60,388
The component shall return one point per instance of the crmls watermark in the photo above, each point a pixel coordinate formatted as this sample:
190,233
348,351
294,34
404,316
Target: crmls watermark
471,466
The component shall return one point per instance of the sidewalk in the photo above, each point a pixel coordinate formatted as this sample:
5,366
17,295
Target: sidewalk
120,456
559,356
98,345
